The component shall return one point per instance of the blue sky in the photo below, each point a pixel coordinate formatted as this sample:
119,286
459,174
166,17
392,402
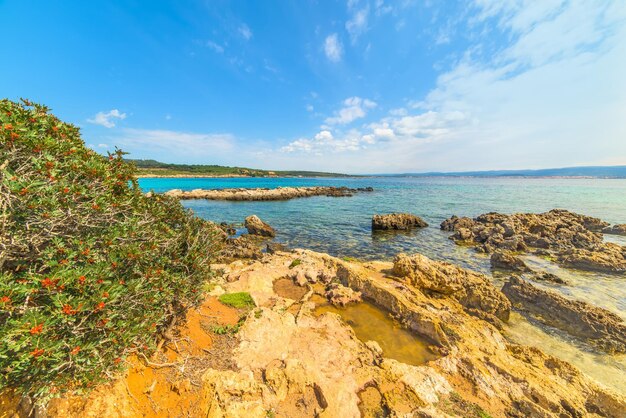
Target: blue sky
352,86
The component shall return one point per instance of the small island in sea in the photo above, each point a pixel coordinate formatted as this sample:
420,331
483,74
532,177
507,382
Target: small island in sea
358,208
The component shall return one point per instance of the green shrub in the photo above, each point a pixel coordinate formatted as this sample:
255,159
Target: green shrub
90,268
295,263
240,300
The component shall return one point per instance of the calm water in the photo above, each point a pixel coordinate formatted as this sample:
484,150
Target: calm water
341,227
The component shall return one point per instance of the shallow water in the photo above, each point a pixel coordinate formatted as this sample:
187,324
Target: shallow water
342,227
374,324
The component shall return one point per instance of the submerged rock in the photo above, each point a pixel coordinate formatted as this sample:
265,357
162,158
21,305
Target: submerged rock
397,221
501,260
599,326
256,226
470,289
575,240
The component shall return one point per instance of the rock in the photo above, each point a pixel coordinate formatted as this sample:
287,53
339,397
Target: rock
261,194
619,229
273,247
256,226
340,295
547,277
302,365
599,326
573,240
228,228
470,289
397,221
455,223
244,246
501,260
607,258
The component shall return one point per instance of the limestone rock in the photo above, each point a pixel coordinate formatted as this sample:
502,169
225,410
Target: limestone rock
574,240
261,194
599,326
470,289
397,221
244,246
501,260
256,226
340,295
273,247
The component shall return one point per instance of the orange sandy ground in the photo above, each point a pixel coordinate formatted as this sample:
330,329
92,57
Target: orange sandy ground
145,390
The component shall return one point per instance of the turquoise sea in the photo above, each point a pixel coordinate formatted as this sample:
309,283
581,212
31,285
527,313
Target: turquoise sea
342,227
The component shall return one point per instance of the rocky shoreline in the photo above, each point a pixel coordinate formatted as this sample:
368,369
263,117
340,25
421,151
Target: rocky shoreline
261,194
285,359
285,351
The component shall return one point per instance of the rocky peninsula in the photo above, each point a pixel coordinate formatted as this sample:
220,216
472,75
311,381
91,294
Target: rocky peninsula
260,194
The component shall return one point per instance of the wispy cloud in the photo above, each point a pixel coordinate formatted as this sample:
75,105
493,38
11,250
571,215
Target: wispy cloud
152,143
353,108
215,46
245,31
333,48
107,119
357,25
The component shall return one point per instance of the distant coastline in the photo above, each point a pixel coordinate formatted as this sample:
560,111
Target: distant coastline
156,169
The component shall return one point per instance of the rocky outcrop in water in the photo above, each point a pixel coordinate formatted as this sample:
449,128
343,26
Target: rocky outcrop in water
574,240
470,289
295,364
501,260
256,194
619,229
397,221
600,327
256,226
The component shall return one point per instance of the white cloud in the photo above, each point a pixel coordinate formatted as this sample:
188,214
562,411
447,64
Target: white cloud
103,146
357,25
553,95
354,108
215,47
245,31
324,142
154,143
333,48
107,119
309,108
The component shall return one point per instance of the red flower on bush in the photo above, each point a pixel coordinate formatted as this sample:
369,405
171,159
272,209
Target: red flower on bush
8,126
36,329
105,295
100,306
48,283
75,350
82,279
68,310
5,299
37,352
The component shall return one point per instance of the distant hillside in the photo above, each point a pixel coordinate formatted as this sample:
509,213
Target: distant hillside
618,171
148,168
